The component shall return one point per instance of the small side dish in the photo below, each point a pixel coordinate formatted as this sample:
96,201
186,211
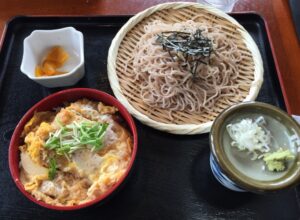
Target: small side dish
74,154
255,147
54,58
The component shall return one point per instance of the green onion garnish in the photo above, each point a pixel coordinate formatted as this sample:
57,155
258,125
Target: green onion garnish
76,136
52,168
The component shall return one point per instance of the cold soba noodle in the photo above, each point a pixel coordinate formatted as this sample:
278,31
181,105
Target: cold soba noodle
169,84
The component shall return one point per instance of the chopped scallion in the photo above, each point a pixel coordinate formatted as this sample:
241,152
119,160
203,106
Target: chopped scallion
77,136
52,168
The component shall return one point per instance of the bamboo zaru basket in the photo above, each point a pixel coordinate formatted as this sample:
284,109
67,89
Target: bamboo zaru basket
127,90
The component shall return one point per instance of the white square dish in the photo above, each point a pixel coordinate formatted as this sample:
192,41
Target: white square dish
39,42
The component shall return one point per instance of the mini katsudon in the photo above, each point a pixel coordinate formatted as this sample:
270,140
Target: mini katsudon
75,153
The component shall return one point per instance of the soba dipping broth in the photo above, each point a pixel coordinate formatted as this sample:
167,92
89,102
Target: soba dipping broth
252,164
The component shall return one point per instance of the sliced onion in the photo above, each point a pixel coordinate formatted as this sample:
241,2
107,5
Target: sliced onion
31,167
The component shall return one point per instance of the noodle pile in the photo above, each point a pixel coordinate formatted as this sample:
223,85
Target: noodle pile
167,85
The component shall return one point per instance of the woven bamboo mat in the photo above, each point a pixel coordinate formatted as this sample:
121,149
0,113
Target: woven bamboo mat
250,71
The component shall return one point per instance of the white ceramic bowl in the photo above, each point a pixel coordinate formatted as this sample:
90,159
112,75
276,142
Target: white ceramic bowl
39,42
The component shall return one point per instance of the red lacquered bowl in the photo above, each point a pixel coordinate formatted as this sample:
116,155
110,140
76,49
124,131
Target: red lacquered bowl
56,100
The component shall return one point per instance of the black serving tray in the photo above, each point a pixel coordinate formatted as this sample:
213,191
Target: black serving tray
172,177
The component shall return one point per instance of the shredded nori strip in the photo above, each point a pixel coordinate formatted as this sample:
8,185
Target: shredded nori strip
187,48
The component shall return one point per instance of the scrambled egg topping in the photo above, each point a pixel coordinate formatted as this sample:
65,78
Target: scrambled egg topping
35,142
82,174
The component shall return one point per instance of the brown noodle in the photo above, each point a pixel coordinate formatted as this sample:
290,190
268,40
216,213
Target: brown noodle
165,84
